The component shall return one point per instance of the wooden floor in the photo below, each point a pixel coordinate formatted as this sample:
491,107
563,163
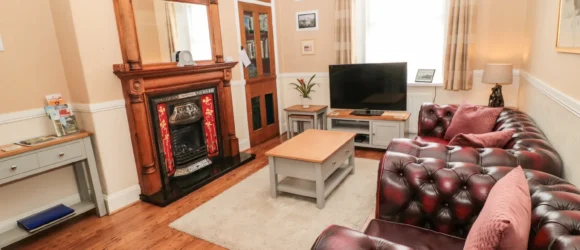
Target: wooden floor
145,226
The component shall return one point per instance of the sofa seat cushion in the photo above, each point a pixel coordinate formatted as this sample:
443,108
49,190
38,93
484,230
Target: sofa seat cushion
414,237
427,139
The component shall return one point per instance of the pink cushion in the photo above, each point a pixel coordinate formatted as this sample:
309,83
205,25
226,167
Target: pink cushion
504,221
472,119
496,139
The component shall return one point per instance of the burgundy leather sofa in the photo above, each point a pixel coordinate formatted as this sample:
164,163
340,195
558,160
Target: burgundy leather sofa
429,194
528,146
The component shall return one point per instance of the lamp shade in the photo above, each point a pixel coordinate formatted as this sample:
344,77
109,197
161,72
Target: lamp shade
498,73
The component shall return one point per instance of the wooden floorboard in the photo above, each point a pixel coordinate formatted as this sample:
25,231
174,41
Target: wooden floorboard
146,226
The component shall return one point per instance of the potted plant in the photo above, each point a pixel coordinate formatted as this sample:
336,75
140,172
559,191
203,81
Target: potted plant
305,89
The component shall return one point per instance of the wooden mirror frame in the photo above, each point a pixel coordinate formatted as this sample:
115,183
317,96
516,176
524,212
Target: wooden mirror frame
130,41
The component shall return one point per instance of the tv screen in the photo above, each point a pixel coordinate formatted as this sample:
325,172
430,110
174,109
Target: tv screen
381,86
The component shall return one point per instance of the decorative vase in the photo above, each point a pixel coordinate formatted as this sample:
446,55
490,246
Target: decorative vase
305,102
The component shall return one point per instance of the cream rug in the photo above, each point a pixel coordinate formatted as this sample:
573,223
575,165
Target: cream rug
246,217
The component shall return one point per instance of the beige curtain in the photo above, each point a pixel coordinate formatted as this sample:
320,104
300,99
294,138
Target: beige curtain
458,73
344,35
171,27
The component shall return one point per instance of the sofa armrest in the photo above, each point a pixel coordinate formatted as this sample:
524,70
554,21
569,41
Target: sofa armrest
339,238
556,231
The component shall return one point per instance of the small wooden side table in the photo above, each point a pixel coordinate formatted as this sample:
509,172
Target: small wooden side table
317,111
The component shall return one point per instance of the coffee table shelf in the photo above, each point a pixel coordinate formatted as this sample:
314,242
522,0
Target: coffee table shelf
308,188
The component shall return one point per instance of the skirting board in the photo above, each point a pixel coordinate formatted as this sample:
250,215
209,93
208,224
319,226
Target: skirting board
10,223
121,199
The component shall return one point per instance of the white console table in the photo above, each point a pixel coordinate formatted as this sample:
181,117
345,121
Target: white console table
379,130
76,150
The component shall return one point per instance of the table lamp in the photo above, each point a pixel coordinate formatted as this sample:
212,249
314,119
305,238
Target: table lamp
498,74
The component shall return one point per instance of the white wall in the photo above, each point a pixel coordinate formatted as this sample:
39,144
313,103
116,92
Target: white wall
558,115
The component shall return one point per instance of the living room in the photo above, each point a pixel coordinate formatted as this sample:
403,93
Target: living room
111,172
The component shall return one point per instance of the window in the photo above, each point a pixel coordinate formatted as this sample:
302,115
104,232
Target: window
412,31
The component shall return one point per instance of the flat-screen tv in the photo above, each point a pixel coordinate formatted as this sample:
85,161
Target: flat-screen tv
380,86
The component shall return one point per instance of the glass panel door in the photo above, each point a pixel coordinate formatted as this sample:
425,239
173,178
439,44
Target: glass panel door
265,43
251,48
261,95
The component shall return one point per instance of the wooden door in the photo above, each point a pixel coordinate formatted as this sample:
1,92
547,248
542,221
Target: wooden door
261,94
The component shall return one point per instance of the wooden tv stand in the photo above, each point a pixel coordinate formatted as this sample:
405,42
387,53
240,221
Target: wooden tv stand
380,130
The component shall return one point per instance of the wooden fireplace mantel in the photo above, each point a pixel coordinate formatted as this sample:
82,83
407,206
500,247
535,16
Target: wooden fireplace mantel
156,80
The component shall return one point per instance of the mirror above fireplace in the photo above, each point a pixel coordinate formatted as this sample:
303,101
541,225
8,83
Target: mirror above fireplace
164,27
151,31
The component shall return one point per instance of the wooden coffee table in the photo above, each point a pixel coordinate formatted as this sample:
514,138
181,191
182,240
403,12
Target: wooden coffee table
313,163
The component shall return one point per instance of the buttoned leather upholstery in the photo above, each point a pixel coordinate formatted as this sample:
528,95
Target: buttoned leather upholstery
441,189
445,198
528,146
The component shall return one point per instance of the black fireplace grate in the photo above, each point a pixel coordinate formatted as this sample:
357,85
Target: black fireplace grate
186,150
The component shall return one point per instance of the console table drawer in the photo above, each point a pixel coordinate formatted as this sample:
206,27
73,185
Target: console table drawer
61,154
18,165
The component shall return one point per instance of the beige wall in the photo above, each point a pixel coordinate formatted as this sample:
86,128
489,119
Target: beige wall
69,50
30,66
230,34
290,57
147,30
560,70
500,32
99,48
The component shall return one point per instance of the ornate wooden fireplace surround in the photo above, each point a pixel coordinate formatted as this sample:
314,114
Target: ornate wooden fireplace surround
141,82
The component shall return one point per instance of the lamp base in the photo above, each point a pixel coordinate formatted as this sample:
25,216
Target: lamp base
496,97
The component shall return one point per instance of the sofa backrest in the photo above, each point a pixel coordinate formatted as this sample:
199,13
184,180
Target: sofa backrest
448,196
528,146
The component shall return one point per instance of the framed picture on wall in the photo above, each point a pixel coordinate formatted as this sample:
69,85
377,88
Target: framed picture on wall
307,20
568,27
307,47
